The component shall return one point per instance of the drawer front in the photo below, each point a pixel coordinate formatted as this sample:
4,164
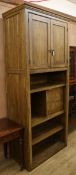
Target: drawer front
54,99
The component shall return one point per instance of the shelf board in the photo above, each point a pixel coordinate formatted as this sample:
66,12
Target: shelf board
45,133
33,71
46,151
44,87
36,120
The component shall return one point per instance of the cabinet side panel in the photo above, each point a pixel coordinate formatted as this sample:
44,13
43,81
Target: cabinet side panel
3,111
14,43
18,81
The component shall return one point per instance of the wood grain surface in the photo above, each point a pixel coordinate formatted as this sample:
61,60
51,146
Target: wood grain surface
3,7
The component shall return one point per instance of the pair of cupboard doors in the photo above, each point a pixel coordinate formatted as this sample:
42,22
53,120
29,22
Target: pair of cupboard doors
48,42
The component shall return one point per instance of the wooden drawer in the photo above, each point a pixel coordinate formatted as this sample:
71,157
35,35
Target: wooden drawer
54,100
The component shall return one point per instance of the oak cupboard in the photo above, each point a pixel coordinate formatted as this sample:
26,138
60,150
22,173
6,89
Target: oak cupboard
48,42
36,52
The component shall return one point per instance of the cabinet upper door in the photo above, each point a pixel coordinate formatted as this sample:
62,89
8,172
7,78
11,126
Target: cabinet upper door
39,41
59,43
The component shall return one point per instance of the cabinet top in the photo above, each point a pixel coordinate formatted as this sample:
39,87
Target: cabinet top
36,7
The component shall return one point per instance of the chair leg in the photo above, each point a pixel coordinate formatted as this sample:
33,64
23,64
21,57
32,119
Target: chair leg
21,142
5,150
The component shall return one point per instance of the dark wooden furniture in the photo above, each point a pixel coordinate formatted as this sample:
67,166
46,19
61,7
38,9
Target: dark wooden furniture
72,62
10,131
72,82
72,100
36,51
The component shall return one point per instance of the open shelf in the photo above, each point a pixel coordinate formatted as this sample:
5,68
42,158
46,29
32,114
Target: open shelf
33,71
36,120
46,105
44,87
46,81
46,129
46,149
41,135
47,92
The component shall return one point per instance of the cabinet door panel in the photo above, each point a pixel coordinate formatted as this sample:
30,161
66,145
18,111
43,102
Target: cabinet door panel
39,41
59,43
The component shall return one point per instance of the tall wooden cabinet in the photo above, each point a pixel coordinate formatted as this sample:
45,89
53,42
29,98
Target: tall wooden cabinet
36,51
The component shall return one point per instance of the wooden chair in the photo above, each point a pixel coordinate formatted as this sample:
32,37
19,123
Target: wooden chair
10,131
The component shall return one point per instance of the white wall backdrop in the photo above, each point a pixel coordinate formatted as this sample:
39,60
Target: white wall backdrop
61,5
74,1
